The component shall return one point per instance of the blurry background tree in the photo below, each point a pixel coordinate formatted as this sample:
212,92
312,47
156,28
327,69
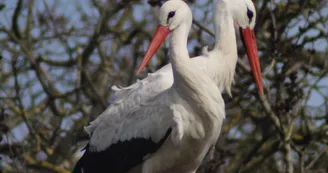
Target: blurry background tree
59,59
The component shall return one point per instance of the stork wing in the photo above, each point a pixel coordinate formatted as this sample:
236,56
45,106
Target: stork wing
120,139
147,119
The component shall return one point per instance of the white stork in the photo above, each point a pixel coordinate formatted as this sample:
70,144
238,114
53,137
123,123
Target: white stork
171,130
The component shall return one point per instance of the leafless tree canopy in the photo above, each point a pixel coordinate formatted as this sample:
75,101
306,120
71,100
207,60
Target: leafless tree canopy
59,59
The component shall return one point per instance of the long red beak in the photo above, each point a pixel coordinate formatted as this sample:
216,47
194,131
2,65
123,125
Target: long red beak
161,33
249,41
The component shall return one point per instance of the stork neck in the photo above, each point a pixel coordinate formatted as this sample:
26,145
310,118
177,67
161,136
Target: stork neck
178,47
190,82
225,38
185,73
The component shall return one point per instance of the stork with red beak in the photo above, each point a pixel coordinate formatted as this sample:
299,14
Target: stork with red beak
170,129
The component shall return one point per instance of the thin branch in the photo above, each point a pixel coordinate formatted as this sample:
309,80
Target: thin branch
203,28
15,19
20,103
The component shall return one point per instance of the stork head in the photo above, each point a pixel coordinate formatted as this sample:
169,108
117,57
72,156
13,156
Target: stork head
172,14
244,14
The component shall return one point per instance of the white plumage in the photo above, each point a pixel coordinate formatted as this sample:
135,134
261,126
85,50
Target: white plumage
192,108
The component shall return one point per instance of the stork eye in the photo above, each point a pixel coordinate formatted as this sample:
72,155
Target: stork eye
171,14
250,15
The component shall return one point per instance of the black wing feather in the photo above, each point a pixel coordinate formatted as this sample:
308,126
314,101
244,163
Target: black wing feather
119,157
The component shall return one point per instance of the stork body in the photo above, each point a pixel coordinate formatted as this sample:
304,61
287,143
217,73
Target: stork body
185,119
166,122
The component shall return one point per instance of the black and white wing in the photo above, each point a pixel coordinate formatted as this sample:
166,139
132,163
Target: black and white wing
120,139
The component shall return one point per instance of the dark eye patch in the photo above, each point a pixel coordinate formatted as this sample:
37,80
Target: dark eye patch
250,15
170,15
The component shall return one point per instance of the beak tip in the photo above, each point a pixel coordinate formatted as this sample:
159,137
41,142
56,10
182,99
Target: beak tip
261,92
138,71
